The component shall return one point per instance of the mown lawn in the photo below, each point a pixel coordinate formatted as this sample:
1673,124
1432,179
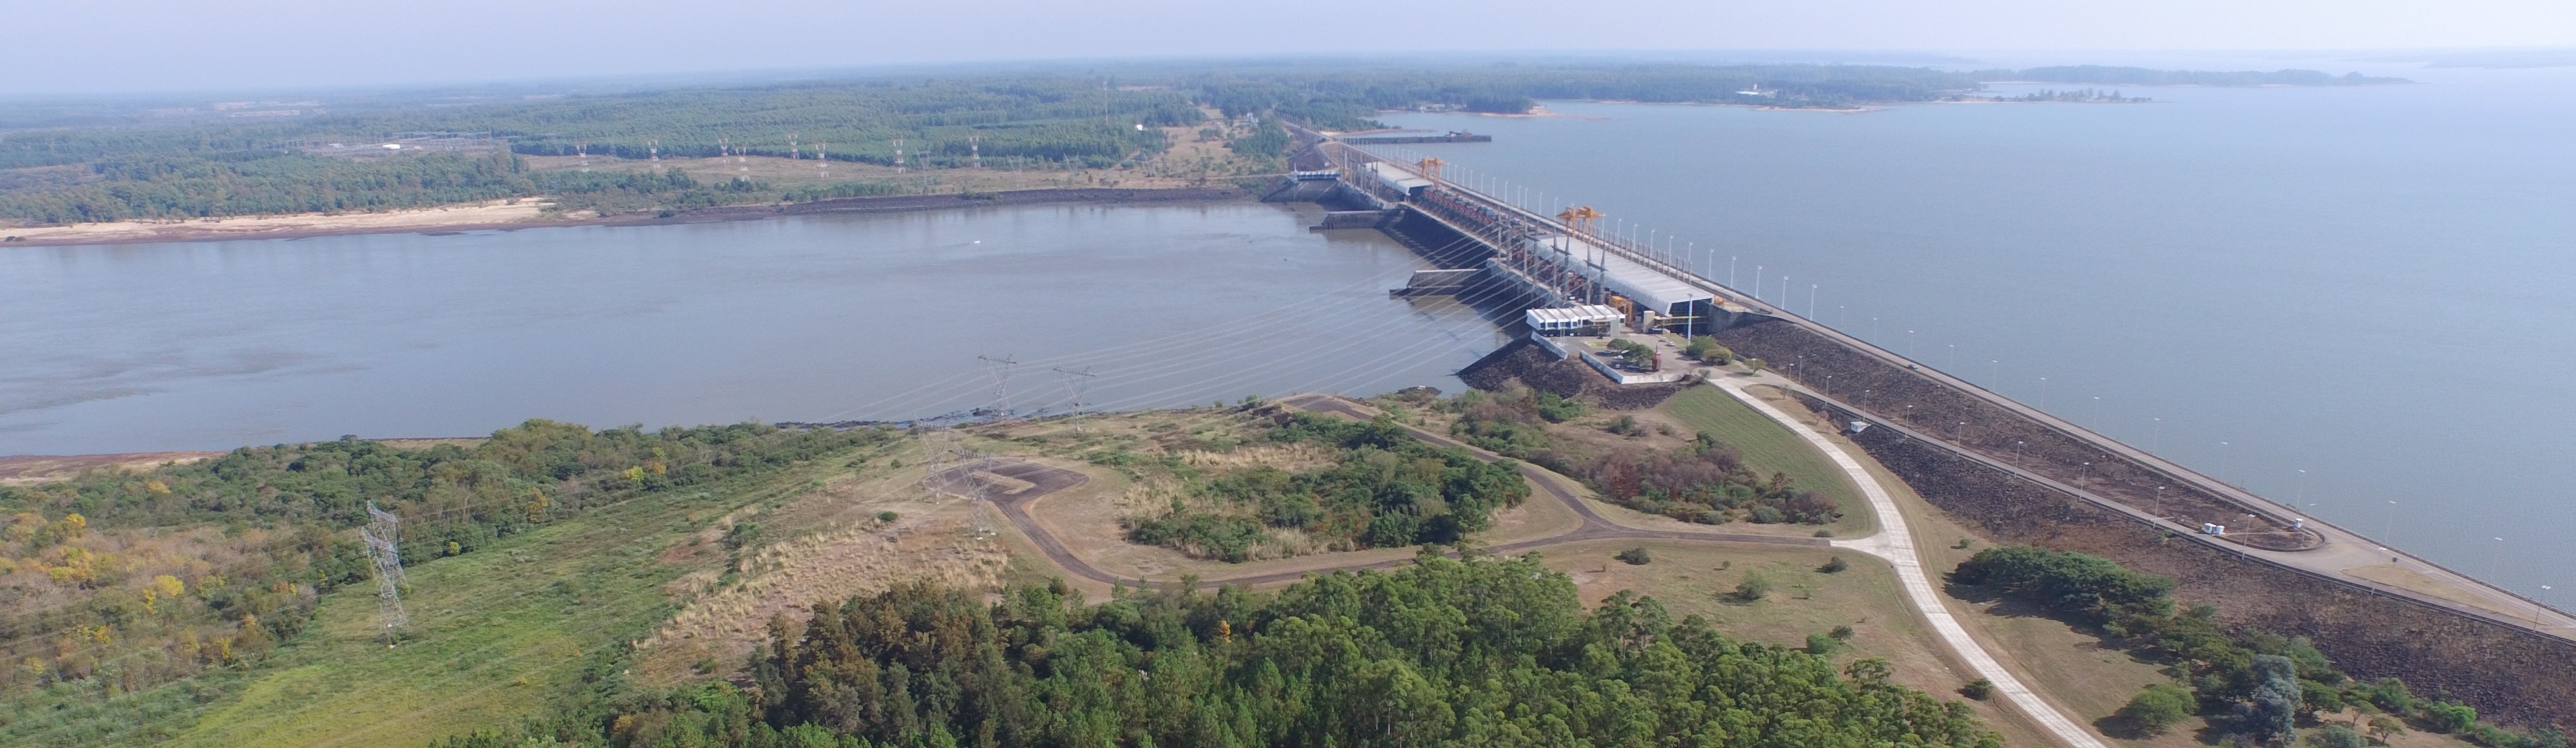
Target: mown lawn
1767,446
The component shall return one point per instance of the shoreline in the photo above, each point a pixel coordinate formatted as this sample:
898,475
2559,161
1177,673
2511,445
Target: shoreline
477,217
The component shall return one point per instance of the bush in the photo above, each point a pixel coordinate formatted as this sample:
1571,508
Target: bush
1841,633
2337,736
1636,556
1706,349
2093,587
1625,426
1834,566
2155,710
888,516
1555,409
1979,689
1821,645
1754,587
2449,717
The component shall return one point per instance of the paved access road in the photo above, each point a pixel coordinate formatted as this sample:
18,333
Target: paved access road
1893,542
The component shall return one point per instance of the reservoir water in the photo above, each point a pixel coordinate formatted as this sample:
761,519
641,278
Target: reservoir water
2337,297
214,345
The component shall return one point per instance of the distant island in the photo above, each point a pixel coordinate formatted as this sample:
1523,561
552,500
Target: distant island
2107,75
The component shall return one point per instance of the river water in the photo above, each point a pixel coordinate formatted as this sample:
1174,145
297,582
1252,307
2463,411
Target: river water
2337,297
213,345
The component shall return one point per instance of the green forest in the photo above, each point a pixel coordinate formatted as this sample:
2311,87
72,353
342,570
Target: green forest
2250,683
204,568
93,167
1388,489
73,162
1445,652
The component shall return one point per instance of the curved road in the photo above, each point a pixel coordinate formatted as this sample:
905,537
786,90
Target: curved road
1893,543
1044,479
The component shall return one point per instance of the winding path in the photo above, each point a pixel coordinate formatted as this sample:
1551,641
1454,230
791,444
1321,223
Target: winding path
1894,542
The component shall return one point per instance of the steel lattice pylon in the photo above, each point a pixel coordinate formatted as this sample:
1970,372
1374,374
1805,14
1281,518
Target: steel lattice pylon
382,529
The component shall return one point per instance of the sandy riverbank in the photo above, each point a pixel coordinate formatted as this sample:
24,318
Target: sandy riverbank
528,213
494,213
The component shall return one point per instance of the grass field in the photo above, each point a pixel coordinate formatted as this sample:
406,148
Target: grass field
1766,446
496,633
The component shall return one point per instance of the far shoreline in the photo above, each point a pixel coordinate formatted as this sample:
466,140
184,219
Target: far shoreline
469,218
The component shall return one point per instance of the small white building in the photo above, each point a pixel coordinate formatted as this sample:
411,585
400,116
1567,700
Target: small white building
1588,319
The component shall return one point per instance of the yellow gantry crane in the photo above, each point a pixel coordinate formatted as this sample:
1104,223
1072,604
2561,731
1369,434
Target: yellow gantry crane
1579,219
1430,168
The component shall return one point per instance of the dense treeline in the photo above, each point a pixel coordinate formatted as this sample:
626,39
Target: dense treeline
1704,481
1046,121
217,168
1387,489
136,579
1478,652
2110,75
1345,99
2252,683
194,185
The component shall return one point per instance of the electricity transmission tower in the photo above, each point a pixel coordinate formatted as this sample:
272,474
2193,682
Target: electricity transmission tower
1000,370
1075,383
382,529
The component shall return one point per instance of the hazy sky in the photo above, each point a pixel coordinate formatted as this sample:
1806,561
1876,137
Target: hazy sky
72,46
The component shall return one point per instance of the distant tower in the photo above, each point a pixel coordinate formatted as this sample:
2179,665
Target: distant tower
975,150
582,151
791,146
898,154
380,533
653,148
822,158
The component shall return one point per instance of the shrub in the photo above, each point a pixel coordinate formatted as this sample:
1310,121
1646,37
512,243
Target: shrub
1706,349
1636,556
1821,645
1555,409
1754,587
2073,583
2156,709
1979,689
888,516
740,535
2337,736
1834,566
2449,717
1625,426
1841,633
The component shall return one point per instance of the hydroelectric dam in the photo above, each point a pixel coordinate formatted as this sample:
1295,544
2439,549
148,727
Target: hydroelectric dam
2022,475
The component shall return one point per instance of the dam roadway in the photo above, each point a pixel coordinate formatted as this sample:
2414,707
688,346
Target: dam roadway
2327,550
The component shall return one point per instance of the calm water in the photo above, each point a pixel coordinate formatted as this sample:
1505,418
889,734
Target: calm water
218,344
2371,285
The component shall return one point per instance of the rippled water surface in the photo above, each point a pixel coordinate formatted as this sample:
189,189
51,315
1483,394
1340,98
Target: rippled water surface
217,344
2338,297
